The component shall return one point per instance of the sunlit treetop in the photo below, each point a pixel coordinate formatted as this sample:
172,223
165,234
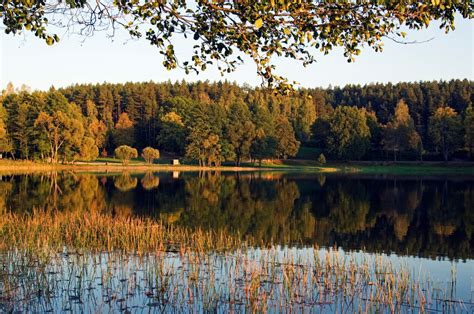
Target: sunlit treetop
219,30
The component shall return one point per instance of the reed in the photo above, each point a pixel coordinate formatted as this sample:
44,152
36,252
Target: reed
92,231
72,261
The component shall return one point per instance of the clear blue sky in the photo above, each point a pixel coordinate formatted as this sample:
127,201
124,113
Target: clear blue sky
27,60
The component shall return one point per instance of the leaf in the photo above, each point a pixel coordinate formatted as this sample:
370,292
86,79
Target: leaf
258,23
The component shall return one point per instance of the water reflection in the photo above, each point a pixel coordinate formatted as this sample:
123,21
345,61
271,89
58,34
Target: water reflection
423,216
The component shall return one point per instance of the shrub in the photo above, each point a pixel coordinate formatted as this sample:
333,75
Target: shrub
321,159
125,153
150,154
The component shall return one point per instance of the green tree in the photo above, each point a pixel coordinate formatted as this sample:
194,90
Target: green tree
64,133
469,129
287,145
375,130
349,136
150,154
400,133
260,30
125,153
445,126
19,127
320,132
306,116
240,130
263,146
5,142
172,134
206,150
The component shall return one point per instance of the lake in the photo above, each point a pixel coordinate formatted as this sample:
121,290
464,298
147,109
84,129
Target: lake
423,224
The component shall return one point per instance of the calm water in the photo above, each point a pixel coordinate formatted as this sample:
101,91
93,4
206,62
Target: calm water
424,222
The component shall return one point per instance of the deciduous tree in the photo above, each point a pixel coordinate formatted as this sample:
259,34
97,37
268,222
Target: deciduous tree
89,150
400,133
287,145
64,133
445,127
349,136
260,30
125,153
5,143
172,133
123,133
469,129
240,130
150,154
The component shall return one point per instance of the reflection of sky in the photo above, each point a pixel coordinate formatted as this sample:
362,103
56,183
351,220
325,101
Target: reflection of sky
114,281
27,60
438,271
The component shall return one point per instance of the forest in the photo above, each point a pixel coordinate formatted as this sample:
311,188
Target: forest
211,123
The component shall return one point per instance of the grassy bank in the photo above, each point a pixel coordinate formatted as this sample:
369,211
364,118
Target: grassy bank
375,167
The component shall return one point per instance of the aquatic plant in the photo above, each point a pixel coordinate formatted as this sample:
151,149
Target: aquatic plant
59,261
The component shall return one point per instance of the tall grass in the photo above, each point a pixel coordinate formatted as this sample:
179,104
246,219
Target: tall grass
72,261
100,232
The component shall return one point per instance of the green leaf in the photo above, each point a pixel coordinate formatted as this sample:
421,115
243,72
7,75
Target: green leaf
258,23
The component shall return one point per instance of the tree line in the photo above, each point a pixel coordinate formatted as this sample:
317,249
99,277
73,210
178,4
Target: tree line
211,123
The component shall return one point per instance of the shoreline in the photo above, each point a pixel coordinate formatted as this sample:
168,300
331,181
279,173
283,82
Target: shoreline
372,167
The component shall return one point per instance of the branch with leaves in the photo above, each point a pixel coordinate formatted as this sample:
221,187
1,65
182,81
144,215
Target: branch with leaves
261,30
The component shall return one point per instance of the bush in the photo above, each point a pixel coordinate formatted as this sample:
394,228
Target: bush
150,154
125,153
321,159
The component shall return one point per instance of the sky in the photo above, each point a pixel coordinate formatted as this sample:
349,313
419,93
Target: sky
28,60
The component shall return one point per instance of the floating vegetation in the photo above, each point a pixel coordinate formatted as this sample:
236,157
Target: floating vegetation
71,261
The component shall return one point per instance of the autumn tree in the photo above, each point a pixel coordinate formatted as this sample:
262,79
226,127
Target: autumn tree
349,135
400,133
98,131
95,128
89,150
150,154
125,153
123,133
125,182
445,126
149,181
260,30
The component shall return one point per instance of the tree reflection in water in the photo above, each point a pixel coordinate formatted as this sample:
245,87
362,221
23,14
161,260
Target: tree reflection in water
424,216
